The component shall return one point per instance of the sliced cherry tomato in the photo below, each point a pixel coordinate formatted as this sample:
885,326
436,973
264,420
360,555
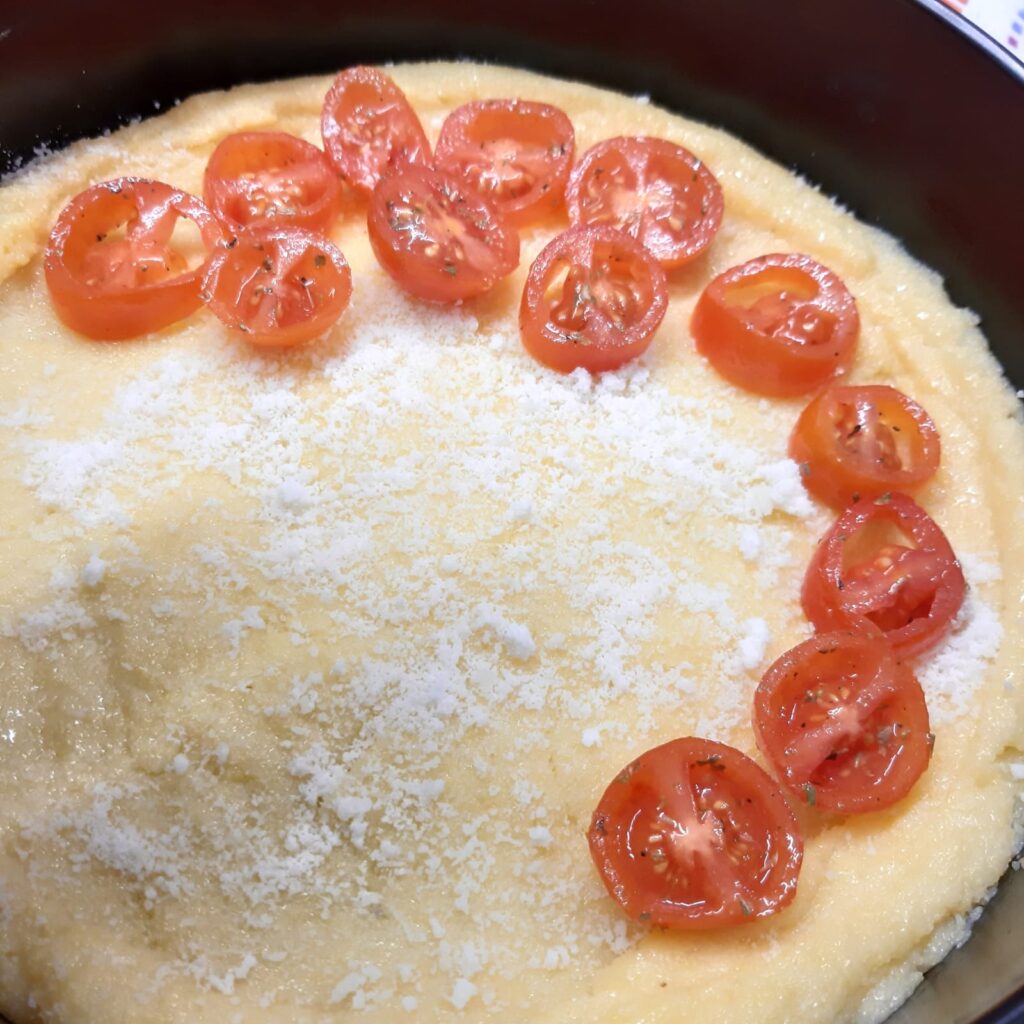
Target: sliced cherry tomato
843,723
654,190
860,442
271,179
779,325
693,834
279,288
516,154
593,298
912,593
369,129
438,237
110,288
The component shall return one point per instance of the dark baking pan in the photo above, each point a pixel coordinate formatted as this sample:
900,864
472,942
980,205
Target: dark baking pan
914,118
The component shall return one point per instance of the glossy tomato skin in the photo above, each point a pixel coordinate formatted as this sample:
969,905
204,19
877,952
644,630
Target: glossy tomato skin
263,180
654,190
779,325
278,288
861,442
694,835
369,129
844,725
111,290
515,153
438,237
911,593
605,311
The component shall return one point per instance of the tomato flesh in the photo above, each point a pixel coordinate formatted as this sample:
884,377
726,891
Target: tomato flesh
438,237
843,723
895,586
113,288
693,834
262,180
912,593
279,288
515,153
779,325
369,129
593,298
654,190
860,442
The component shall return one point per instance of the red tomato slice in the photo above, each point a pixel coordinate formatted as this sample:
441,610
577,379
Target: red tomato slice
593,298
860,442
438,237
110,288
279,288
516,154
843,724
660,193
369,129
779,325
911,593
261,180
693,834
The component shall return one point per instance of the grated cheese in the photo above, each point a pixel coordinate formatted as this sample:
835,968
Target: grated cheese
407,561
951,674
94,571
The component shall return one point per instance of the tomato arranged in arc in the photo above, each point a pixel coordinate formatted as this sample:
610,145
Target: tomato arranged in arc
110,288
778,325
593,298
843,723
438,237
515,153
654,190
860,571
860,442
693,834
278,288
369,129
261,180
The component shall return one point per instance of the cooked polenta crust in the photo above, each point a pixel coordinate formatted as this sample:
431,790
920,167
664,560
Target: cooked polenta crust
315,665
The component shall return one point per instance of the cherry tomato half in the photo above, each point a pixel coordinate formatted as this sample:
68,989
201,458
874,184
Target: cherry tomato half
779,325
844,725
437,236
693,834
859,572
859,442
278,288
516,154
593,298
654,190
271,179
110,288
369,128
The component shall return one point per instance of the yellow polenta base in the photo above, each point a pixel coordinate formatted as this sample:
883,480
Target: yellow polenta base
314,667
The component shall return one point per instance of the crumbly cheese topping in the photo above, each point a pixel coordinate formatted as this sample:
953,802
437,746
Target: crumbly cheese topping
417,550
952,672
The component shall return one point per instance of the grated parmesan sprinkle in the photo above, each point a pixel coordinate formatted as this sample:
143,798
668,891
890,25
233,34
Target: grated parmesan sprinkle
418,558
